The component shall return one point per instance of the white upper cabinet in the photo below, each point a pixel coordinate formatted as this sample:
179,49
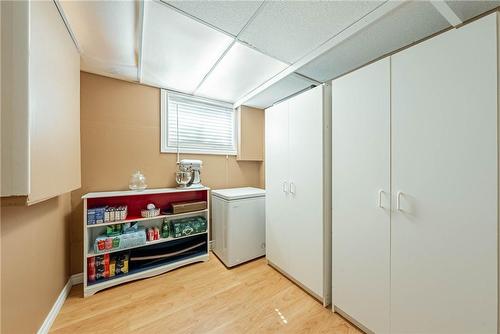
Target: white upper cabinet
40,102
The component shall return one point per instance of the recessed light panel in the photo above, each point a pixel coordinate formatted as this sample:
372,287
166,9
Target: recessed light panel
178,51
241,70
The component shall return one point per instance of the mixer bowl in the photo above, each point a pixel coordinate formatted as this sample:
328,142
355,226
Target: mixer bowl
183,178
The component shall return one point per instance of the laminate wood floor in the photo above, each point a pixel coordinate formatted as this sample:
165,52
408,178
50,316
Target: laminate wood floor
201,298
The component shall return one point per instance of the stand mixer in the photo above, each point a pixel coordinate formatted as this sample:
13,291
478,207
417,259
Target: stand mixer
188,174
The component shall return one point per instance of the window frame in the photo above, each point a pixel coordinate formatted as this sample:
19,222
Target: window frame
164,128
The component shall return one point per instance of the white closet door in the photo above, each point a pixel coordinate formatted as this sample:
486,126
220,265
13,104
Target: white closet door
277,185
444,237
306,177
361,169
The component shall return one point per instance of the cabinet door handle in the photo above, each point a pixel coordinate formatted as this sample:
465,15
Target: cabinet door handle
398,200
379,202
285,187
292,188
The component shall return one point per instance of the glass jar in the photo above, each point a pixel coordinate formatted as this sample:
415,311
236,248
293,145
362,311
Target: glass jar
137,181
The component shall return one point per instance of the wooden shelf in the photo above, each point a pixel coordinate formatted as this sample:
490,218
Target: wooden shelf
131,219
148,243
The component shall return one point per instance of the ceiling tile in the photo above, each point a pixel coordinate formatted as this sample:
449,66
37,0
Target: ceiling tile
178,51
288,30
280,90
469,9
240,70
401,27
105,31
230,16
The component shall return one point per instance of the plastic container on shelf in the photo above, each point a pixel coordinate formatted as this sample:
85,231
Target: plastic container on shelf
149,213
103,244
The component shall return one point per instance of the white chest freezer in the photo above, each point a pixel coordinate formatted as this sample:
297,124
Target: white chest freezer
239,224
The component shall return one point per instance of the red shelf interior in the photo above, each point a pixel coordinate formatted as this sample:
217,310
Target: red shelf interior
136,203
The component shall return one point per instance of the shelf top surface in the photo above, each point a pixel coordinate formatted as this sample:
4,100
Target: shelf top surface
151,191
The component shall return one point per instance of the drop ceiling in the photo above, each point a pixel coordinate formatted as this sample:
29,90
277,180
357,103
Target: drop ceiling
248,52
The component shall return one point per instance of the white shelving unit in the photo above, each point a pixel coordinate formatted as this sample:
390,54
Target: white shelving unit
136,200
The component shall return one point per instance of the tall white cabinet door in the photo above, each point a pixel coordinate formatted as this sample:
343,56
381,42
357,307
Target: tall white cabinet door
306,189
444,154
361,195
277,185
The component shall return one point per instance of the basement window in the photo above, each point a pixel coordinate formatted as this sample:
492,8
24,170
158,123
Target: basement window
196,125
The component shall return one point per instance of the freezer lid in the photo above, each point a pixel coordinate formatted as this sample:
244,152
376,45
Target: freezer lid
239,193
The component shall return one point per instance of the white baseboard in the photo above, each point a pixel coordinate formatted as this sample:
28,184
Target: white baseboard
76,279
49,320
210,245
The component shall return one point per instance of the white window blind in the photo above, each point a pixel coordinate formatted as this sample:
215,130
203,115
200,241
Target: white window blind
197,125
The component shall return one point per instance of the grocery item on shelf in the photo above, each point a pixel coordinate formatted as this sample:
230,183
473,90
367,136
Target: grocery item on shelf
105,243
187,226
153,233
105,266
165,229
115,213
91,269
130,227
113,230
101,265
121,264
106,214
96,215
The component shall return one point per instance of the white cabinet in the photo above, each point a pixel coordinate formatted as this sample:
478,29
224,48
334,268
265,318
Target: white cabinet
444,168
40,102
277,176
422,127
361,195
298,190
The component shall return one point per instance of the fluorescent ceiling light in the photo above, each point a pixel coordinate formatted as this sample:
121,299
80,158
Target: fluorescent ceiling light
238,72
178,51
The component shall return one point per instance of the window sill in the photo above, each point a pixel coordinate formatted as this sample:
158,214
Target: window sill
185,151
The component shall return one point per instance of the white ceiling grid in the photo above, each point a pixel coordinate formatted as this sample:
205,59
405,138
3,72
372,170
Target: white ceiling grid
244,50
229,16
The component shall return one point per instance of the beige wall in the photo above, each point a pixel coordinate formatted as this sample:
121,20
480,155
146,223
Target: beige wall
120,133
35,260
250,134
